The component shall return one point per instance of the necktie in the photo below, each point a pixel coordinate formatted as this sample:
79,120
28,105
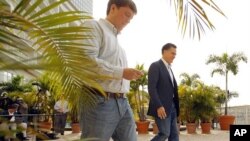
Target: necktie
171,75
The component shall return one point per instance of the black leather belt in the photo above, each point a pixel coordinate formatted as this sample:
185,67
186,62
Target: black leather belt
115,95
109,94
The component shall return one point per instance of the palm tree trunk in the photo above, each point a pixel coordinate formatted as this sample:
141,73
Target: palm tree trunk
141,112
136,102
226,93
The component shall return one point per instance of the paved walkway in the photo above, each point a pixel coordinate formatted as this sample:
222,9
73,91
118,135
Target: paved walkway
216,135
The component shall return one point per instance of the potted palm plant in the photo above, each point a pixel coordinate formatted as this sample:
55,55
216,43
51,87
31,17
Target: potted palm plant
187,96
187,113
75,125
225,64
44,105
205,107
140,100
48,90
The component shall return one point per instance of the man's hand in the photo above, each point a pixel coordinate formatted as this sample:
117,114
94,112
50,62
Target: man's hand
161,113
131,74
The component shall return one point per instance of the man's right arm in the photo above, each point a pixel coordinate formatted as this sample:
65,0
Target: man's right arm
153,77
92,47
131,74
103,67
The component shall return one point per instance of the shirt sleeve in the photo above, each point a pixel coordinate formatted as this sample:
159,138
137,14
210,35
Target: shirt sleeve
92,48
66,107
57,106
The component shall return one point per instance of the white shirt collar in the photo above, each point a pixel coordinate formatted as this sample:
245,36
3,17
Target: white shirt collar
166,64
111,26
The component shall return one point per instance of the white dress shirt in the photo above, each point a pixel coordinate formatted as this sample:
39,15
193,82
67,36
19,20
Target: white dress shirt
61,106
12,118
168,66
106,51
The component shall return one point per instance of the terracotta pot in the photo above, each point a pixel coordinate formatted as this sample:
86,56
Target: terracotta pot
179,127
206,128
225,121
142,127
45,125
191,128
75,127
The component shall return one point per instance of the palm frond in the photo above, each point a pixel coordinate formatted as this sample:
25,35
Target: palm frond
218,70
225,64
192,17
189,80
57,41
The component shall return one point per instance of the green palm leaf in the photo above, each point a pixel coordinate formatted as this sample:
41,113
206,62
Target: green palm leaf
56,41
225,64
189,80
192,17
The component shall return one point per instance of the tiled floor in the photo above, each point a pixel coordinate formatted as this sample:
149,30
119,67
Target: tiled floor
216,135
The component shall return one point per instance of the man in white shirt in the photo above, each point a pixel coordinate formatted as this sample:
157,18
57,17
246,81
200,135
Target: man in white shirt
112,117
61,110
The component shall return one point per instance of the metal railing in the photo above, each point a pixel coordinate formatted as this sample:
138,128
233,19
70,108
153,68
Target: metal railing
36,118
241,113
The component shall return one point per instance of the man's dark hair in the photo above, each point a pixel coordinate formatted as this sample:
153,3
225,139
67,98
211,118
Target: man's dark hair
167,47
122,3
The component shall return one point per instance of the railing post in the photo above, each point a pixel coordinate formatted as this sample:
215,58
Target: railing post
35,122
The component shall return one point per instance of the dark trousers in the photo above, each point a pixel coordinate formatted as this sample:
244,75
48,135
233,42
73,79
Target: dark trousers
167,127
60,122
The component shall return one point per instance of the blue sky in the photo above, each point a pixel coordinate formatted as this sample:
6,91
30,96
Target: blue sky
155,25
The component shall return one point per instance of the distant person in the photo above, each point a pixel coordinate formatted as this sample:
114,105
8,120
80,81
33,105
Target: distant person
61,111
5,101
11,123
23,110
23,107
164,99
112,117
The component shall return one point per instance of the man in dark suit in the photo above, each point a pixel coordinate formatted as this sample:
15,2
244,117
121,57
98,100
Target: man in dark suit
163,91
5,101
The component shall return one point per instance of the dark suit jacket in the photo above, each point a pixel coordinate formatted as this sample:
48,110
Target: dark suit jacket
161,90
